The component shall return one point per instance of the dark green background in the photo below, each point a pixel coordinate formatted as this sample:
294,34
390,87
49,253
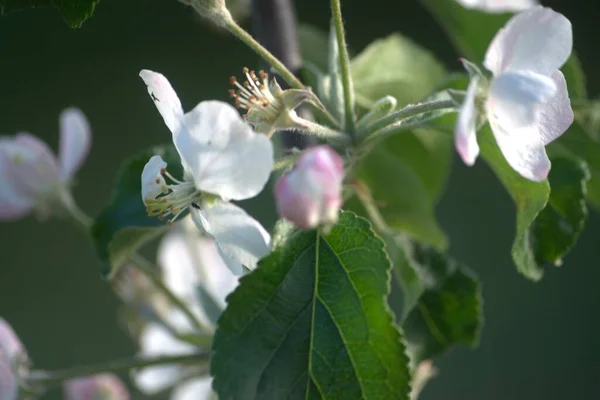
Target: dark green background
540,340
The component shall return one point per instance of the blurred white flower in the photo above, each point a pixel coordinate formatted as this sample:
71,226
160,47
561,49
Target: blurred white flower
310,194
223,159
526,103
499,6
13,361
96,387
194,271
32,177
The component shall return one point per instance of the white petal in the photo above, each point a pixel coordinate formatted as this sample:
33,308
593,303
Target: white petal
153,182
14,204
498,6
156,341
555,116
465,135
539,39
164,98
197,389
33,167
515,97
223,153
178,263
237,234
75,141
523,149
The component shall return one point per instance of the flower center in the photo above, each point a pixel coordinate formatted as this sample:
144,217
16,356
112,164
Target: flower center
174,199
255,95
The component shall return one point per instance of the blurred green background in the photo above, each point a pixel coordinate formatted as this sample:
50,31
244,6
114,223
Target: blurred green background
540,340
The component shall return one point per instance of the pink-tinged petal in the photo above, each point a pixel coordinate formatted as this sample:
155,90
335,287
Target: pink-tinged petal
37,165
515,98
236,233
556,115
75,141
538,39
14,204
197,389
164,97
96,387
153,182
523,149
10,345
310,194
223,153
498,6
465,135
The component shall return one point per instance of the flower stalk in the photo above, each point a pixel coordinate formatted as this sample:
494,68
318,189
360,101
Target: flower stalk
48,379
266,55
348,86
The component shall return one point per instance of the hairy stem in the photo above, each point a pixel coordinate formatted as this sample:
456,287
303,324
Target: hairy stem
344,67
411,110
273,61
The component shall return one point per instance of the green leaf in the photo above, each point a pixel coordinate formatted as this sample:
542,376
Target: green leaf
124,225
314,46
398,67
578,144
312,322
74,12
406,174
449,308
471,31
542,237
559,225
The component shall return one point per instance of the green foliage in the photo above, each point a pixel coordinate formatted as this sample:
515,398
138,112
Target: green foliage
443,304
124,225
577,143
560,223
314,46
541,215
397,67
74,12
312,322
406,175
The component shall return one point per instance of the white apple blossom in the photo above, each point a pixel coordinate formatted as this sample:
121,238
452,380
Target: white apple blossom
188,261
499,6
310,194
223,159
526,101
32,177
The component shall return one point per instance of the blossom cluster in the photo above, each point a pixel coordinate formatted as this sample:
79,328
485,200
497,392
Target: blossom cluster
227,158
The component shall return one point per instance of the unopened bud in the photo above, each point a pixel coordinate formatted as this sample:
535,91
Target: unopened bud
310,194
215,10
380,109
97,387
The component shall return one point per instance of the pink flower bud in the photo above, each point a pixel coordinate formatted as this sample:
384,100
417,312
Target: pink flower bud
310,194
97,387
